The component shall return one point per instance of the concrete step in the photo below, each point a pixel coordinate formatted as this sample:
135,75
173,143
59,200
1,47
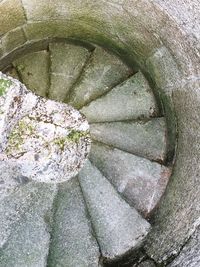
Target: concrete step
140,181
102,73
73,243
33,69
118,227
66,61
146,139
132,99
24,225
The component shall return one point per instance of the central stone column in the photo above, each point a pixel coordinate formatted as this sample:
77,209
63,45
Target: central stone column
40,139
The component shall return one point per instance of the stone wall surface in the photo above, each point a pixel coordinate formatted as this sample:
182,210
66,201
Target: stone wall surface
162,39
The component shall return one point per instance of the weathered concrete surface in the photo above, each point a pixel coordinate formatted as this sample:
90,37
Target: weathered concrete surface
146,263
45,140
139,180
13,39
146,139
67,62
14,207
136,29
186,13
190,254
132,99
28,241
101,74
178,216
10,179
118,227
72,240
34,71
12,15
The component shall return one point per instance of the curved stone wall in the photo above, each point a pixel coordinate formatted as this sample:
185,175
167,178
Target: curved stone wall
160,38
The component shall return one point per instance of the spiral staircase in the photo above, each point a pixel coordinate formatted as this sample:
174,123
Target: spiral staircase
96,217
132,69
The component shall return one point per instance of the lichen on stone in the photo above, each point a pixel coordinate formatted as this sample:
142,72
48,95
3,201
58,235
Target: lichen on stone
4,85
17,137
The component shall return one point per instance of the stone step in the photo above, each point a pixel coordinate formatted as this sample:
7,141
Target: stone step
119,228
67,62
132,99
102,73
140,181
146,139
24,220
33,69
73,243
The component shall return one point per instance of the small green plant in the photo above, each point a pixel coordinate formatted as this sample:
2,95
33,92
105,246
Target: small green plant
60,142
74,136
17,136
4,84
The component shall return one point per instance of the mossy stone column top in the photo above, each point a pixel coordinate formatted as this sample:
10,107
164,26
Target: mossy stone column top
44,140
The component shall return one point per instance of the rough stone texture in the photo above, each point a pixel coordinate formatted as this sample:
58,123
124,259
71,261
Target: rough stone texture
98,23
12,15
13,39
49,9
186,13
102,73
10,179
67,62
190,254
147,263
146,139
44,140
139,180
73,243
135,29
24,228
160,24
179,212
118,227
14,207
163,68
34,71
132,99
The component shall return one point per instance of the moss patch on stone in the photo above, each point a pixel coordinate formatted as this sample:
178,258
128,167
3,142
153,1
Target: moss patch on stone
4,85
18,135
74,136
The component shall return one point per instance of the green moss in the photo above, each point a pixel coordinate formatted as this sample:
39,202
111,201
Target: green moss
4,84
17,136
74,136
60,142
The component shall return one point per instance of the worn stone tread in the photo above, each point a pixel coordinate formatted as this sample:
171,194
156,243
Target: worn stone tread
24,226
132,99
139,180
67,61
34,71
102,73
118,227
146,139
73,243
